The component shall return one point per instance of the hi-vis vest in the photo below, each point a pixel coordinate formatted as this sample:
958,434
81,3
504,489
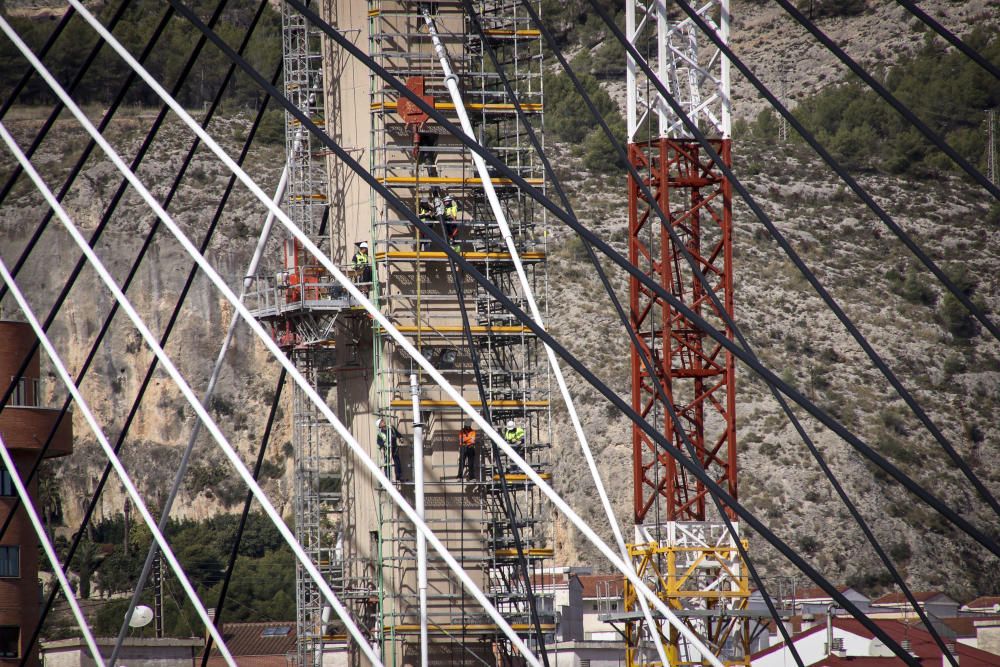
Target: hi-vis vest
361,260
514,436
467,437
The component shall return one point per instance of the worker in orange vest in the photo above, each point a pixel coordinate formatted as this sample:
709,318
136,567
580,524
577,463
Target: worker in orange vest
467,450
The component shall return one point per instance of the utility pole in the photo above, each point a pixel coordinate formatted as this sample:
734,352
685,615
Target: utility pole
128,523
158,593
782,121
991,145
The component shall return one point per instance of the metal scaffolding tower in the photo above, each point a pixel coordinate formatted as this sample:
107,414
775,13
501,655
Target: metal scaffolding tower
301,304
424,295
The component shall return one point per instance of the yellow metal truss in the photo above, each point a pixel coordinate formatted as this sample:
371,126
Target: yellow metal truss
678,575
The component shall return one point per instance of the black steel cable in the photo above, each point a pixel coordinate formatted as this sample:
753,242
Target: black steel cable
580,368
133,271
508,504
754,364
900,233
816,454
220,604
774,231
60,299
951,38
58,106
884,93
44,51
37,235
845,176
609,290
75,169
105,220
767,375
554,47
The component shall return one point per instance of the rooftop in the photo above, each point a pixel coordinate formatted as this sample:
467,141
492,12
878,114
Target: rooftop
921,644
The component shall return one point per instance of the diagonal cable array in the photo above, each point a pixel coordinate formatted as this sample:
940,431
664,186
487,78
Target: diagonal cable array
61,368
388,195
891,99
592,242
623,318
347,284
647,282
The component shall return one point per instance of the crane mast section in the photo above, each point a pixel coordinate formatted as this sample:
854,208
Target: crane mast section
681,542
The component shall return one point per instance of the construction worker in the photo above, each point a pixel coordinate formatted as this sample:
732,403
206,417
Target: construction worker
425,211
449,216
388,444
467,450
514,435
363,264
446,212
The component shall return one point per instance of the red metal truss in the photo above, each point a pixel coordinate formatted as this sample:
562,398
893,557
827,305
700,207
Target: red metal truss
696,373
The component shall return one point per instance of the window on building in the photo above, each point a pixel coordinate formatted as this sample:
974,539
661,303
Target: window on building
10,636
6,484
25,392
10,561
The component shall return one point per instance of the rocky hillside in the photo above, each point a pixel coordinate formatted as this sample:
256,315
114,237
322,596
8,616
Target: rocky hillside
160,430
897,305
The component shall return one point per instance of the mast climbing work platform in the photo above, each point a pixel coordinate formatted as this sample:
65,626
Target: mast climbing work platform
302,305
425,296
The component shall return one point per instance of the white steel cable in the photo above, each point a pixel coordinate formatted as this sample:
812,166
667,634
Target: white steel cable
213,379
185,389
165,360
451,81
401,340
29,507
95,427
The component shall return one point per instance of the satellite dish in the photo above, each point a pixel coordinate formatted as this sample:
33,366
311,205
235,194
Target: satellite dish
141,617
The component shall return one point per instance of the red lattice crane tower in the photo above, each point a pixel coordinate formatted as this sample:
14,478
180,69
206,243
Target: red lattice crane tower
681,542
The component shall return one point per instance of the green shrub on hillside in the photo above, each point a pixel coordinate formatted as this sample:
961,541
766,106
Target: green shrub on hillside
949,92
954,315
262,586
568,119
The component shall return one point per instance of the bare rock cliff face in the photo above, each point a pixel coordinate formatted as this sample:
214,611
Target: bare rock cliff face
163,424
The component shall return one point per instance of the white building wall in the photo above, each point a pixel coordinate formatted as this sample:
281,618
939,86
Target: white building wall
813,648
593,627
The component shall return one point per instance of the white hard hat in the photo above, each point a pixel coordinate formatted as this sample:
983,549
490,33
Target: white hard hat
379,422
510,424
364,244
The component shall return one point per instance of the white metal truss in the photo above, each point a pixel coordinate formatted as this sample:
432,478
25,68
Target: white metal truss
696,75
